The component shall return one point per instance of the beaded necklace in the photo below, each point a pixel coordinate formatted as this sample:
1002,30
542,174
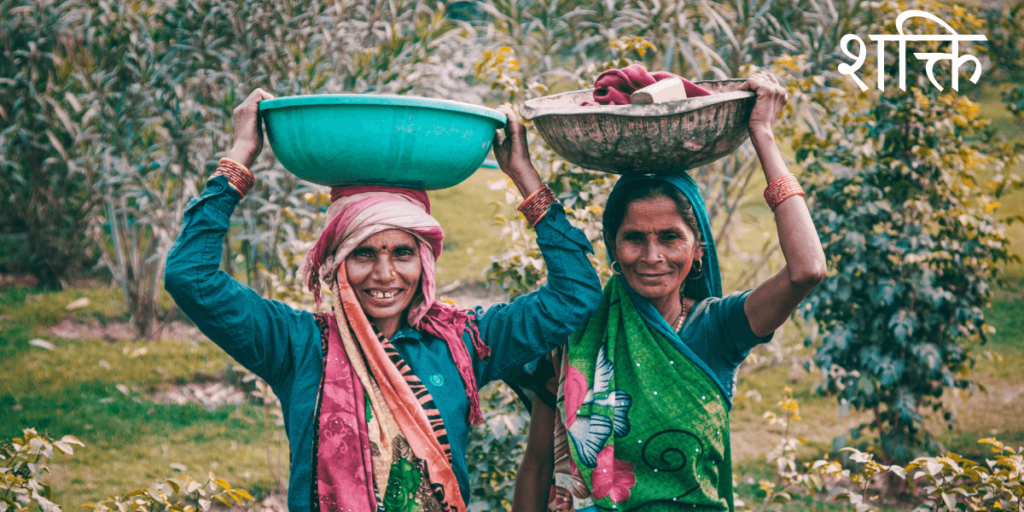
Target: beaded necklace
682,316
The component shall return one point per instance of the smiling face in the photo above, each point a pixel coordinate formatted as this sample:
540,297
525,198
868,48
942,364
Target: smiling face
655,248
384,272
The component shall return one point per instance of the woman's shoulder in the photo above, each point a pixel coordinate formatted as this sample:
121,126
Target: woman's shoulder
715,308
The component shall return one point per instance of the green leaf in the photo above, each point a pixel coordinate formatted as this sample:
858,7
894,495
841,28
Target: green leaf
949,500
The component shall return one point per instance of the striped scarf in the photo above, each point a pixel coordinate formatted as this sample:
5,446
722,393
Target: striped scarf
379,430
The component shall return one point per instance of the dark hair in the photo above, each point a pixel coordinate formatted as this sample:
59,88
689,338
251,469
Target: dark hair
647,189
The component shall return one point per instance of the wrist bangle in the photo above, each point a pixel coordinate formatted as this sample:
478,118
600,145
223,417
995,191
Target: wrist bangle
239,177
781,189
535,206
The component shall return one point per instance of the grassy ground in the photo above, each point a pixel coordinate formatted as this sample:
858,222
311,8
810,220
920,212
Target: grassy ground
465,213
131,440
1001,120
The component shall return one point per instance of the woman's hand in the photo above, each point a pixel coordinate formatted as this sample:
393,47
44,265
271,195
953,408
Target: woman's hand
771,97
248,129
513,155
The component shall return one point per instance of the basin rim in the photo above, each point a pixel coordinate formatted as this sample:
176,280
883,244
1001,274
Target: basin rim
382,100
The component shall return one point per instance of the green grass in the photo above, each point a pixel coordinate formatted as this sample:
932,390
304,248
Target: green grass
130,440
465,212
1007,314
991,108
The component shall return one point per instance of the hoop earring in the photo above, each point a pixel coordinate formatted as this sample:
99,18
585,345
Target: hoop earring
700,270
616,272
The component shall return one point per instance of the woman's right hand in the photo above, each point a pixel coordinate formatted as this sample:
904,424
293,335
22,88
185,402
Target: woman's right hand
771,98
513,155
248,129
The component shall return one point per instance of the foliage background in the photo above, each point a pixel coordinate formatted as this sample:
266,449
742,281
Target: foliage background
112,114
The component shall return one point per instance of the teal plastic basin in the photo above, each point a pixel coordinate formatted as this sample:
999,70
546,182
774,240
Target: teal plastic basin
348,139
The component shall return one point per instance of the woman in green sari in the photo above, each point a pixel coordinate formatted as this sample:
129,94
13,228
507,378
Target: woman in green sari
637,411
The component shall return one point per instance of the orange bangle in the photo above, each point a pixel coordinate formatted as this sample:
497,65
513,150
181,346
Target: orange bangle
239,177
781,189
535,206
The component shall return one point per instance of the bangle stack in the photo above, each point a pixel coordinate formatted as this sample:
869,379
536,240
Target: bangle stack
535,206
239,177
782,188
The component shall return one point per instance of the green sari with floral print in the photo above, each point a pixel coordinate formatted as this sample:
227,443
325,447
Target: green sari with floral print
640,426
642,417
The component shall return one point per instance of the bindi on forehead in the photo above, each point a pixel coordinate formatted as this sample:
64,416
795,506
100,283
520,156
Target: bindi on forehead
387,248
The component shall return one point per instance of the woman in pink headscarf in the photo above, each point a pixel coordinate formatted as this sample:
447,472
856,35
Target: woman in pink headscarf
379,394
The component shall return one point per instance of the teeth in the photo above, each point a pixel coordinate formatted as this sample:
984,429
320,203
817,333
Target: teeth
382,295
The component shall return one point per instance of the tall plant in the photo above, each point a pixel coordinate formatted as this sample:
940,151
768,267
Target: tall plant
157,81
1006,49
914,240
47,192
146,139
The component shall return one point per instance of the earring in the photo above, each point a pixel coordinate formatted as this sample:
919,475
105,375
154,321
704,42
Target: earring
700,270
614,271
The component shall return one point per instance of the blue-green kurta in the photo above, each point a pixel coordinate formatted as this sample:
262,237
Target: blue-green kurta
282,345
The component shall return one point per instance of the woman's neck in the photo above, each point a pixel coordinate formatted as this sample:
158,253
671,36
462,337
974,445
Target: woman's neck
388,326
670,307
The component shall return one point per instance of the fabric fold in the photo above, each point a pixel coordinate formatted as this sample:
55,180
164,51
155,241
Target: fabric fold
614,86
638,424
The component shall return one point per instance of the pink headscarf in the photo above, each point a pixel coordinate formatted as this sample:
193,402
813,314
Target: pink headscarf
360,211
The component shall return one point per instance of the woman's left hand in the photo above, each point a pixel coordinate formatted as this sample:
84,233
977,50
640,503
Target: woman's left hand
771,97
513,155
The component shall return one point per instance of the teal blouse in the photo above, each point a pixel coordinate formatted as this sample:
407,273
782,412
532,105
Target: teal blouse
282,345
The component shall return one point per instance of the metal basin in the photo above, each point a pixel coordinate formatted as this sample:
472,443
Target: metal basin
664,138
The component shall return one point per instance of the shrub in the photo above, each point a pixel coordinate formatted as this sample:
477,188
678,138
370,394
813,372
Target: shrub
943,483
24,461
23,464
914,243
47,193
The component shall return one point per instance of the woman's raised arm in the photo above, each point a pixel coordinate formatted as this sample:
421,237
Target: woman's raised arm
534,324
264,336
774,300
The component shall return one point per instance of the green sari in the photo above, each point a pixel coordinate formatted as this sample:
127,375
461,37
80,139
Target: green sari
646,427
643,421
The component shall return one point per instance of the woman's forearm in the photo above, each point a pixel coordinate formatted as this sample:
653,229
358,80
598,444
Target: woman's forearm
536,323
771,303
801,247
256,332
533,480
